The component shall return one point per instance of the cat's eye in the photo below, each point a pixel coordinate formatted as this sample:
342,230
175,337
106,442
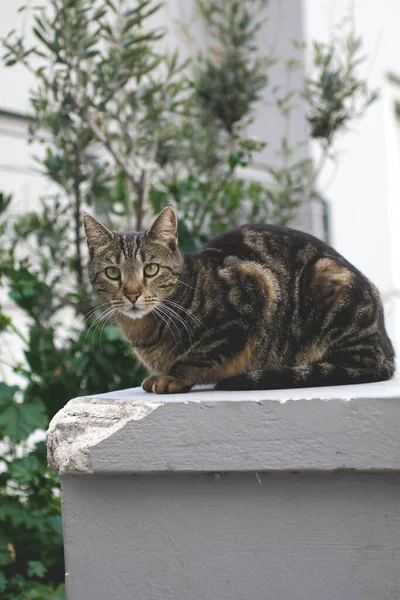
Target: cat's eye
151,269
113,273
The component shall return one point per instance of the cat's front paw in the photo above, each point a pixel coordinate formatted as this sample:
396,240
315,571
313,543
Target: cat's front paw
147,384
166,384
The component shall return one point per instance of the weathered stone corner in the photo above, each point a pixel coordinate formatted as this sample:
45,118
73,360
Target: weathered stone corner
85,422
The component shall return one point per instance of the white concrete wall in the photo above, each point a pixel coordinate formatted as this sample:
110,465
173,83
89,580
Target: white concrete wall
365,193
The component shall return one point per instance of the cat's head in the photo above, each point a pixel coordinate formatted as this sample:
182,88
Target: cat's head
134,271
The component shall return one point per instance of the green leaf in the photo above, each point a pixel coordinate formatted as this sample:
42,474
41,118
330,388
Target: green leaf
135,9
88,53
7,393
99,14
234,159
18,421
34,590
25,470
152,10
3,581
142,38
44,41
36,568
5,201
111,5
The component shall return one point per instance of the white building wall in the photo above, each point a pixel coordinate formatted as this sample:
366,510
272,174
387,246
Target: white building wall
365,192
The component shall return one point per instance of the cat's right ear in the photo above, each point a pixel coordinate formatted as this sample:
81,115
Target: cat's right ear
97,234
165,226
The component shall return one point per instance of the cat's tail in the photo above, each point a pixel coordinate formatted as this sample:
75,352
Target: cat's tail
315,375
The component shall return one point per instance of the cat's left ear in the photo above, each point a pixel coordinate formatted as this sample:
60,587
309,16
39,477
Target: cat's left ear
165,226
97,234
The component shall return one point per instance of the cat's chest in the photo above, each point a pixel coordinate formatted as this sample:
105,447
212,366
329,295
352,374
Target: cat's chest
158,358
154,346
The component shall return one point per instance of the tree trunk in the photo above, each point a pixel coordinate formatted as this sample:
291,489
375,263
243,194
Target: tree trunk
79,269
142,192
132,191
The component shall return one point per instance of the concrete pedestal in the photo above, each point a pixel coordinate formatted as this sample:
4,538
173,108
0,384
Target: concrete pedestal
210,495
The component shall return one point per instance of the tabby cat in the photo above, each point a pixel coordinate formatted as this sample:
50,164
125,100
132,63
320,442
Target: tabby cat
260,307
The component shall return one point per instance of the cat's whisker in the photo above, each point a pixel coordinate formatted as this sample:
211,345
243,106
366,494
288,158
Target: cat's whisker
170,316
187,312
97,317
110,312
97,313
180,320
170,321
106,321
184,323
164,320
173,316
184,283
92,314
96,323
92,311
97,320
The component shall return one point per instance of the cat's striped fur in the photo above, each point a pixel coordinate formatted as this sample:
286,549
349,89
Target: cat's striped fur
260,307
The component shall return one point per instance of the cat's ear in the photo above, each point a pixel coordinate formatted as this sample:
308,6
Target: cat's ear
165,226
97,234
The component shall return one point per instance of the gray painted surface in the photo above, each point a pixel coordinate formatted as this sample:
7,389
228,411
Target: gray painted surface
290,537
344,427
293,505
251,436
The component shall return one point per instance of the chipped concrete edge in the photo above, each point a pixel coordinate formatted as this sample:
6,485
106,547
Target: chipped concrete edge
320,429
85,422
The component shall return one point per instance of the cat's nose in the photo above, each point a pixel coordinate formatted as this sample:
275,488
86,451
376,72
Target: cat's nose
133,296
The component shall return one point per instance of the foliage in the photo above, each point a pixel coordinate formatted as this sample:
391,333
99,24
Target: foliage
335,95
233,60
31,558
124,128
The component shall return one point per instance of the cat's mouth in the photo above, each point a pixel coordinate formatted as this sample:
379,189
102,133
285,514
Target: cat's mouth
135,312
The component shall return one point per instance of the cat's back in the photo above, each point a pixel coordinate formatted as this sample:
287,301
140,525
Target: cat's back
269,243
